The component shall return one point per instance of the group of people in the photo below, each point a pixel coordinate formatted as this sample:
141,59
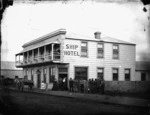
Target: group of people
90,86
96,86
19,84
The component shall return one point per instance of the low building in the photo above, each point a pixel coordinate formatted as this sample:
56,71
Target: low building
61,55
9,70
142,71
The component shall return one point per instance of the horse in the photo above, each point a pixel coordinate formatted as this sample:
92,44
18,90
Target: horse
20,83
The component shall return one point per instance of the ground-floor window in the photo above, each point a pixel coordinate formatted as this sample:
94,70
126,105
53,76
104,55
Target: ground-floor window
81,73
143,76
127,74
16,77
52,72
115,74
100,73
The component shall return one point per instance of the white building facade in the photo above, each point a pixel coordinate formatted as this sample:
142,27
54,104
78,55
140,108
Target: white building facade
66,55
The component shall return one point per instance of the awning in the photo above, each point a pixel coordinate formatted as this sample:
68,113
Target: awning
42,64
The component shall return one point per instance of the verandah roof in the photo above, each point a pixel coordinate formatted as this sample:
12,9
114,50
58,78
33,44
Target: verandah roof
28,48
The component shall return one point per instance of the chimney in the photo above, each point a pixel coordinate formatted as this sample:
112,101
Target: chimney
97,35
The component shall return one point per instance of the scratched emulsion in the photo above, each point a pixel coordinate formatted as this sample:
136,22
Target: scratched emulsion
24,20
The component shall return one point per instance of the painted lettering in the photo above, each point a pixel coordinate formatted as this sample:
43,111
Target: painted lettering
67,46
76,46
71,53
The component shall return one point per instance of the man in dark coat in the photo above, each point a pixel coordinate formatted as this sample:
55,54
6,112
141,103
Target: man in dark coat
71,85
92,85
98,85
102,86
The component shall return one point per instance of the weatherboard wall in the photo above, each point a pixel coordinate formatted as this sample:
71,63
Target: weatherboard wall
126,59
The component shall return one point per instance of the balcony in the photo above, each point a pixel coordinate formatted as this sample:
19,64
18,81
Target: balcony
43,54
39,59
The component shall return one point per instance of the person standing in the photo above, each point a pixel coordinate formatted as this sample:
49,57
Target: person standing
102,86
92,85
99,85
71,85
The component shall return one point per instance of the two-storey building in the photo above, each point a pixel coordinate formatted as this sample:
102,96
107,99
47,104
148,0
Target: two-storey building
68,55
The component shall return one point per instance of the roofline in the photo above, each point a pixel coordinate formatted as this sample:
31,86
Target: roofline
100,41
17,69
142,70
18,53
54,33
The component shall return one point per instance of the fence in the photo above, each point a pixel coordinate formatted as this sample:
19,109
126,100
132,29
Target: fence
127,86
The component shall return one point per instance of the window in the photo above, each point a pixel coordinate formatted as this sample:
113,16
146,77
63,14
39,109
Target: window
16,77
63,70
84,49
26,75
51,74
115,74
44,75
100,73
115,51
127,74
81,73
32,74
143,76
100,50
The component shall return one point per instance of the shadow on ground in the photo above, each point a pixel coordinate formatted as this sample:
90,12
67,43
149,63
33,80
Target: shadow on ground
25,103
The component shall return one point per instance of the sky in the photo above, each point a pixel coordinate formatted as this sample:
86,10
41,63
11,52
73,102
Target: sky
25,21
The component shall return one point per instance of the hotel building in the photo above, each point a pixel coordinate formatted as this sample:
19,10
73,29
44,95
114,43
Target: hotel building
60,54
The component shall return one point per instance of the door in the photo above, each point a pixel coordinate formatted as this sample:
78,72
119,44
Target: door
63,81
38,80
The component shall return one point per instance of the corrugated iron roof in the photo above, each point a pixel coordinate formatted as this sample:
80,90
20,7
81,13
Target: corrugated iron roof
9,65
141,65
104,39
70,35
54,33
34,47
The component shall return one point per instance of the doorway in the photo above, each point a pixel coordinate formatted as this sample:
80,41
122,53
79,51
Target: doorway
63,81
38,80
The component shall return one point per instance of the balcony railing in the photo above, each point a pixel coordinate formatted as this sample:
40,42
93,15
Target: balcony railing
39,59
48,57
19,62
56,57
30,60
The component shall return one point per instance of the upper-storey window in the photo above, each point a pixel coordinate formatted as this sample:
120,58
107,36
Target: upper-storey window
84,50
115,51
100,50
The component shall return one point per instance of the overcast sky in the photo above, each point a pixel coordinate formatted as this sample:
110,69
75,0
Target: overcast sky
126,21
